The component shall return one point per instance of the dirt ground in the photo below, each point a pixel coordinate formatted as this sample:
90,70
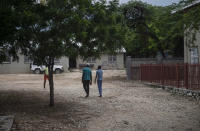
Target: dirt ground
125,105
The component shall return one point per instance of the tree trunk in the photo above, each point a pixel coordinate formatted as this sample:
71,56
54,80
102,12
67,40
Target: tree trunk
51,84
153,36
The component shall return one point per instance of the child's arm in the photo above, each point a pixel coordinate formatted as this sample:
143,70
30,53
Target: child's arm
82,77
95,78
91,78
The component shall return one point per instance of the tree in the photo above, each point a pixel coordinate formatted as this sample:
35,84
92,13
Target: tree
190,18
138,16
169,30
68,28
153,29
8,31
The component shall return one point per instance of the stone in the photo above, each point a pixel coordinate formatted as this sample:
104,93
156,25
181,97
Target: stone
189,93
6,123
178,91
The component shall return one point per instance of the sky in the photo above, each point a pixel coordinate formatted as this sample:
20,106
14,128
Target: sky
156,2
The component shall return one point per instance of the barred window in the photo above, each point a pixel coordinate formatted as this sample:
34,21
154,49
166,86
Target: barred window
112,59
5,3
194,56
41,1
56,60
91,60
27,59
8,59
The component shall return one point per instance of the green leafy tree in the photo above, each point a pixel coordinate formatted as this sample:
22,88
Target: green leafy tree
137,17
153,29
69,28
190,18
8,31
169,30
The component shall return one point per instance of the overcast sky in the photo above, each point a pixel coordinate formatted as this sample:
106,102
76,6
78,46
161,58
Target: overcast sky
156,2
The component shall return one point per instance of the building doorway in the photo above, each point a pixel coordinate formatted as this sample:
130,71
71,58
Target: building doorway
72,62
194,57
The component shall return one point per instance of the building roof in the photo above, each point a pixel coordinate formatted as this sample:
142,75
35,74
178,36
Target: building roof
193,4
121,50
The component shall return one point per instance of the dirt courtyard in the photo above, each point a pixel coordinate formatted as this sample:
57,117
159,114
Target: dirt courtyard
125,105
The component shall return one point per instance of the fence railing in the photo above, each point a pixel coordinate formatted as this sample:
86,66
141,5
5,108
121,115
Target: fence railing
178,75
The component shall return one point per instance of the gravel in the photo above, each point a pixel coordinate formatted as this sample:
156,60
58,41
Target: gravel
125,105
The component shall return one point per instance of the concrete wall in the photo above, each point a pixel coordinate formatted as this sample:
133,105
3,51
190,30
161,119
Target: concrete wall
133,65
188,44
103,61
64,61
138,61
15,67
22,67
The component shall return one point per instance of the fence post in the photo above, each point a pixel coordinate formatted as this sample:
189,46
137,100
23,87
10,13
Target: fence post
198,76
128,67
162,75
140,72
177,75
149,73
186,75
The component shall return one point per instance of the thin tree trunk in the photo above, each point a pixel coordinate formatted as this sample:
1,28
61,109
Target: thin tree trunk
51,84
152,35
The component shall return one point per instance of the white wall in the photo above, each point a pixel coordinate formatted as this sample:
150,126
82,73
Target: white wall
103,61
64,61
22,67
188,44
15,67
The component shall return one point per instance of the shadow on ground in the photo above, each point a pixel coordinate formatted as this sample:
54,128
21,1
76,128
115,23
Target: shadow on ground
25,104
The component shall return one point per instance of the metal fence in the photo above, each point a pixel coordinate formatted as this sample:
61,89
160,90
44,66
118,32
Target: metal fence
178,75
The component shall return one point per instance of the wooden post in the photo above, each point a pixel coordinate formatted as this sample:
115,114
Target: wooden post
51,84
177,75
140,72
186,75
162,74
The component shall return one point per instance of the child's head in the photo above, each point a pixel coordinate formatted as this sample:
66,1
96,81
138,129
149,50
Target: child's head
99,67
87,65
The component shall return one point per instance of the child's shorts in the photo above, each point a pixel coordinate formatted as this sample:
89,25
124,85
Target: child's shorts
46,77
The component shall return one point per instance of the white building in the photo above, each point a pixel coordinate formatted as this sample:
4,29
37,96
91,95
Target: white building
191,45
23,65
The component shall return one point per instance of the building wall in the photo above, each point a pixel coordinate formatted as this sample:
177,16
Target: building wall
103,61
22,67
15,67
64,61
133,65
138,61
189,45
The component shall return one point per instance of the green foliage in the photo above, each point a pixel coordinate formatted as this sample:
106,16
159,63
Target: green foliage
137,17
154,30
70,28
59,28
7,25
104,32
11,15
191,20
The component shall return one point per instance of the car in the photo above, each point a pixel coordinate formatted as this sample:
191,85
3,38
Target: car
57,69
84,65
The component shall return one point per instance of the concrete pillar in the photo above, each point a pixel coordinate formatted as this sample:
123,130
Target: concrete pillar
128,67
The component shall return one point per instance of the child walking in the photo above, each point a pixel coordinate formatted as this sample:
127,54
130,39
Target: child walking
99,78
46,75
